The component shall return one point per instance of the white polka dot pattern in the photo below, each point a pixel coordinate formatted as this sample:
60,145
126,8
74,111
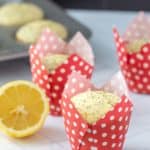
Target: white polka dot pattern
136,67
53,83
108,133
52,44
138,28
80,46
40,74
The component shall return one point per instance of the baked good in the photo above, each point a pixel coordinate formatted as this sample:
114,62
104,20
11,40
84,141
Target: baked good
30,32
52,61
93,105
14,14
135,45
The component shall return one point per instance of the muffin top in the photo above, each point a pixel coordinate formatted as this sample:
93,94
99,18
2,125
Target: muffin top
52,61
93,105
135,45
30,32
14,14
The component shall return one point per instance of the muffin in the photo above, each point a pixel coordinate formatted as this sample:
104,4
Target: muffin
95,119
93,105
135,45
30,32
134,61
14,14
52,61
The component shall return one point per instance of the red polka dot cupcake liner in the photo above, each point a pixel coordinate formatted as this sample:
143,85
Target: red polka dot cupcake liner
109,132
53,83
135,66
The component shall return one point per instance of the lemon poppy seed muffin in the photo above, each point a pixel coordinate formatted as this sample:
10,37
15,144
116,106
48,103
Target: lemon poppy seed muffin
51,62
135,45
30,32
93,105
14,14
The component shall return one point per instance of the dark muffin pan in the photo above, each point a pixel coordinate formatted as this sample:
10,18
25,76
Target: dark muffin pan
10,48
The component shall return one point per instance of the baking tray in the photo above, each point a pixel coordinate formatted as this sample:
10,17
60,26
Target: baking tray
12,49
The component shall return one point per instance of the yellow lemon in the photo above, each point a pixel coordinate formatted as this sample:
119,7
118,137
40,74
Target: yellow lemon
23,108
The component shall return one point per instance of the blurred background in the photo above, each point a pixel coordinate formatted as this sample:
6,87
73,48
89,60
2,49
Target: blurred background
106,4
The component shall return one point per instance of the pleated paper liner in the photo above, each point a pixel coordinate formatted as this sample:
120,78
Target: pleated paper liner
53,83
135,66
109,132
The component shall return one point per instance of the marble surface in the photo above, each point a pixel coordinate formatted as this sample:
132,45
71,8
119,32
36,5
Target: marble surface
52,136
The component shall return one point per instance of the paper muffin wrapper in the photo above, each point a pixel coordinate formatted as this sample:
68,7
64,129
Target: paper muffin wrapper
49,42
53,83
109,132
135,66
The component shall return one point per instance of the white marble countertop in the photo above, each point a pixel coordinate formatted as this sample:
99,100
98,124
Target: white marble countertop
52,136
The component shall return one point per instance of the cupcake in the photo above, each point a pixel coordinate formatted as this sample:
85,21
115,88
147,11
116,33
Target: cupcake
135,45
133,50
52,60
95,118
93,105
